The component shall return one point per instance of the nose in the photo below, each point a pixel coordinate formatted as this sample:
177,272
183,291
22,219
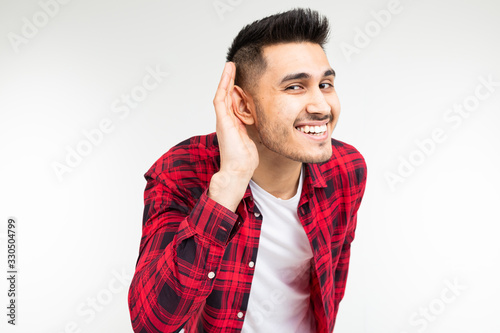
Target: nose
317,102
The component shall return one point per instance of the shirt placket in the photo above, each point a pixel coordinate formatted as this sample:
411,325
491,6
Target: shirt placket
249,213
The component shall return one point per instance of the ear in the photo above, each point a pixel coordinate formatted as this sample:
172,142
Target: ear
241,106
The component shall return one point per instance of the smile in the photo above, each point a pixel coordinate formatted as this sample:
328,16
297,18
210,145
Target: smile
314,130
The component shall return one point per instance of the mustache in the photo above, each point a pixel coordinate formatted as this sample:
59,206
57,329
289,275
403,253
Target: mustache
316,118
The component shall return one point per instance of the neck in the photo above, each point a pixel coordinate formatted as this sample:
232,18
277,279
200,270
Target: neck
277,176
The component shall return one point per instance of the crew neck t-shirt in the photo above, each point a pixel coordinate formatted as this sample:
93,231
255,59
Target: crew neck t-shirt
280,294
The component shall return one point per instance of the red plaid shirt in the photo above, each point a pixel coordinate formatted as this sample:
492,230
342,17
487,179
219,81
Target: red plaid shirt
193,268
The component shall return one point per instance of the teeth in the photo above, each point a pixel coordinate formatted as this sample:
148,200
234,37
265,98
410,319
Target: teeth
312,129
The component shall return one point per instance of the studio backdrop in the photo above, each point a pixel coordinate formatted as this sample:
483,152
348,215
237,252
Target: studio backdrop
92,93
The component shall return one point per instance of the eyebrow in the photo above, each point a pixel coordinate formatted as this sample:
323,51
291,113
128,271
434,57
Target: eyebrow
298,76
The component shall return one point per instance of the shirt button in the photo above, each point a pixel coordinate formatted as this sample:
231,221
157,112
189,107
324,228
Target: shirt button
240,314
250,198
211,275
256,214
251,264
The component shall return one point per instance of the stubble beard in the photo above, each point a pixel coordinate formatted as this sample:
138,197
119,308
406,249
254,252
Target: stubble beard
274,137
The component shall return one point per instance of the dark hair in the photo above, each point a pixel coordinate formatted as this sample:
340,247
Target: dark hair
297,25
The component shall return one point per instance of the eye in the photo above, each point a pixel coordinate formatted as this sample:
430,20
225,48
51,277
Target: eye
325,85
294,87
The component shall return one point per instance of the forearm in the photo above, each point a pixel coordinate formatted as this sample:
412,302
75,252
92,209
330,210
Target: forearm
164,295
169,290
178,265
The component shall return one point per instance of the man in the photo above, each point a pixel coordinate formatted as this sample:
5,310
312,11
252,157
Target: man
249,228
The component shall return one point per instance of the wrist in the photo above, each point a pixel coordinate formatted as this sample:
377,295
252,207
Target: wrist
228,188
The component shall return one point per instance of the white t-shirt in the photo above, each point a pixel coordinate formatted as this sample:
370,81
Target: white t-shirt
280,294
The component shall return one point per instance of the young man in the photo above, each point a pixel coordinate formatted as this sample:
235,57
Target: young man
249,228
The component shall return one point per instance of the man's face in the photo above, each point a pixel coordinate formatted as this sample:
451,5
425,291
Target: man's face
296,105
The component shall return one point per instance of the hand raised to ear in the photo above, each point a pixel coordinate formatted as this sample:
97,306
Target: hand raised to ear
238,153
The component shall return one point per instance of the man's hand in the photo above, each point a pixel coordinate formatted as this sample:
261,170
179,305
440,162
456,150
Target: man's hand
238,153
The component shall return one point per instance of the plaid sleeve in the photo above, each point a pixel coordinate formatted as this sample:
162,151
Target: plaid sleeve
180,253
357,178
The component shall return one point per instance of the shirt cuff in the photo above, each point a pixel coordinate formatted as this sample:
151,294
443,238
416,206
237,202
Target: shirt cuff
212,220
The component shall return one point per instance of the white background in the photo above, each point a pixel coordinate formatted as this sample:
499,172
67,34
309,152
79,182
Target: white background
76,234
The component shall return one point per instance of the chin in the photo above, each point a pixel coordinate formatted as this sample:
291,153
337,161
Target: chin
315,158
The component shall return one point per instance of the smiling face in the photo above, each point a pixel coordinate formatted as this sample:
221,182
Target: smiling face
295,104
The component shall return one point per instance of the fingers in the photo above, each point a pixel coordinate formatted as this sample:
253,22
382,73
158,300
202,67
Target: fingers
223,88
231,86
230,68
231,105
230,92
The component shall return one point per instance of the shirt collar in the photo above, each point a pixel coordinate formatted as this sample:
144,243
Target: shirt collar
314,175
